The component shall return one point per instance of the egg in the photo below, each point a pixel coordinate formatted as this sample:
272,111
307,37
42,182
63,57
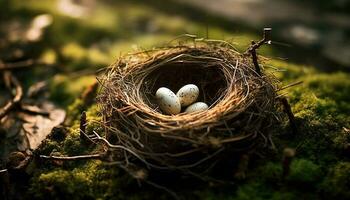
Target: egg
198,106
188,94
168,102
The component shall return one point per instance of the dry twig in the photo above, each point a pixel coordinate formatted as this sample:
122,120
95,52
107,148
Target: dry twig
11,80
80,157
255,45
288,111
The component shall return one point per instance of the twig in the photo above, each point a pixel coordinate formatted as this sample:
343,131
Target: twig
290,85
289,113
83,124
21,64
15,65
33,110
170,192
89,94
255,59
36,88
113,146
80,157
266,40
254,46
3,171
16,99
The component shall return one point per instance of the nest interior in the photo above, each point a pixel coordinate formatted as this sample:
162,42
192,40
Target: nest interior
241,103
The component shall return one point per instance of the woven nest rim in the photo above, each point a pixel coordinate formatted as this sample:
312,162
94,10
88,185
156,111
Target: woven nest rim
242,112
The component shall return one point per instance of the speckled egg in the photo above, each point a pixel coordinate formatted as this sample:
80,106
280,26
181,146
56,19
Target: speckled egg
168,102
198,106
188,94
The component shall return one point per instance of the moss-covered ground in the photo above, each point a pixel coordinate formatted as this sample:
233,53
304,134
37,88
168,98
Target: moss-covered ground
80,46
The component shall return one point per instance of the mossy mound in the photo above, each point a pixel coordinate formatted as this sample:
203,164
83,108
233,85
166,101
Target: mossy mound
321,158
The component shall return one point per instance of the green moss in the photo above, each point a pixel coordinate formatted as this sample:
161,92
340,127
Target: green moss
78,183
48,146
342,140
320,104
304,172
336,185
55,185
272,172
64,89
253,190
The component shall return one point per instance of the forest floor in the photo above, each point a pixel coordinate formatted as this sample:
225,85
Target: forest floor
71,42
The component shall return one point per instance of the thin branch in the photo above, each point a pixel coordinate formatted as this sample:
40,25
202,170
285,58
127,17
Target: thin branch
21,64
255,45
3,171
14,65
266,40
34,110
255,59
83,124
80,157
290,85
16,99
170,192
289,113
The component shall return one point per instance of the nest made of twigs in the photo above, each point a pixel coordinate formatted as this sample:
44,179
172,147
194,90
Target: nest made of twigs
241,106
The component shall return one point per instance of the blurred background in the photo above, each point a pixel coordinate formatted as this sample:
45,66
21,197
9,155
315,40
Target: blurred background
88,34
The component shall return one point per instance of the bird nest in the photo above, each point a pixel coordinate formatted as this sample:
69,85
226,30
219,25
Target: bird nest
242,105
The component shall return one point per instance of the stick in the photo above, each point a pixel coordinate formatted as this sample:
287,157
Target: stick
16,99
254,46
255,59
290,85
289,113
21,64
33,110
16,65
83,124
81,157
266,40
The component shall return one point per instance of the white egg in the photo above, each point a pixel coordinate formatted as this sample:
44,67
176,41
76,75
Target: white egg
188,94
168,101
198,106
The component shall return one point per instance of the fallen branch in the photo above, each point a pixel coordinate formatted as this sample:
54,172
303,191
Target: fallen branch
80,157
